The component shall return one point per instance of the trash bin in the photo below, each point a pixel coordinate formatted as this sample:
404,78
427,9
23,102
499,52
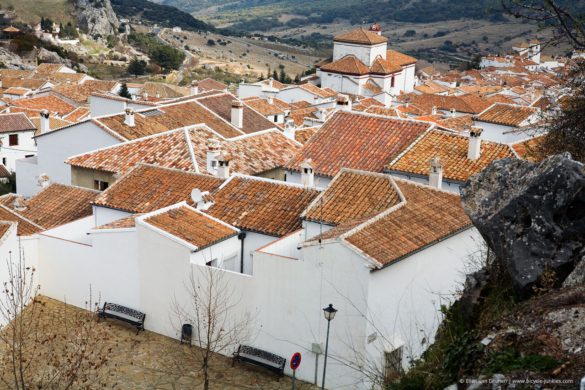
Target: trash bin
186,333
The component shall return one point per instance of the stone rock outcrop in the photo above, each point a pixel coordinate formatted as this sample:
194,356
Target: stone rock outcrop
51,57
531,215
97,17
11,61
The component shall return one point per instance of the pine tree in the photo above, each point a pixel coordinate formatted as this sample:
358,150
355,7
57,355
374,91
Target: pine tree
124,91
275,75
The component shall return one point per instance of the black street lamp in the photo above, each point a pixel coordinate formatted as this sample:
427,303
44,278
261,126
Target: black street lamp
329,313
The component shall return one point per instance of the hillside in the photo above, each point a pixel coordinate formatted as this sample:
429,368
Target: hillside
153,13
262,14
31,11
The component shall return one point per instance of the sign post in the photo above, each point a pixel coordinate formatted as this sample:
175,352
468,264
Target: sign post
295,362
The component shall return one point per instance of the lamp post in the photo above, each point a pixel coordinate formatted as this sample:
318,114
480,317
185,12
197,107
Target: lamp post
329,313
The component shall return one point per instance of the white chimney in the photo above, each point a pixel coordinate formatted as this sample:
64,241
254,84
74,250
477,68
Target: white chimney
213,151
157,94
145,96
343,103
45,122
307,175
434,111
44,180
129,117
237,114
289,128
452,112
436,173
270,97
474,149
194,88
223,166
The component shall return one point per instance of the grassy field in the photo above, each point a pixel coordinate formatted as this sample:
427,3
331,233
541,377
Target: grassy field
31,11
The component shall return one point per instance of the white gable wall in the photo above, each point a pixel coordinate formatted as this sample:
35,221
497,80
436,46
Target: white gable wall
365,53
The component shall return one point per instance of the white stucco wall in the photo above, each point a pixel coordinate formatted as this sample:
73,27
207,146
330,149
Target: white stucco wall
105,215
9,154
404,298
27,177
320,182
503,134
54,148
365,53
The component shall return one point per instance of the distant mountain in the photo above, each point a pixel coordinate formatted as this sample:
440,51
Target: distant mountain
163,15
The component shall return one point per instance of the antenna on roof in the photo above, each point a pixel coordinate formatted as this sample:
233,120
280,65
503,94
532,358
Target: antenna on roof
196,195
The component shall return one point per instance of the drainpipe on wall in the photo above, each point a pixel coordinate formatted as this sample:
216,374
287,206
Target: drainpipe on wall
241,237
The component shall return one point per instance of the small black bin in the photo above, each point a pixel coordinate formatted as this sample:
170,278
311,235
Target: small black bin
186,333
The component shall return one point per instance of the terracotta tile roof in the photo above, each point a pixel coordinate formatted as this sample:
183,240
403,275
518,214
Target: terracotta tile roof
9,82
263,107
4,227
122,223
300,104
353,195
15,122
372,86
50,102
15,73
457,123
391,111
77,115
298,115
68,78
451,149
507,114
222,106
147,188
431,87
399,59
11,29
17,91
47,69
361,36
274,83
211,84
499,98
357,141
251,154
427,216
531,149
8,199
349,64
59,204
164,90
192,226
466,103
366,103
25,227
302,135
542,102
164,118
260,205
322,93
4,172
81,93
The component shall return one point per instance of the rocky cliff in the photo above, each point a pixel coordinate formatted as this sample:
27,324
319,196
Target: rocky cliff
97,17
520,322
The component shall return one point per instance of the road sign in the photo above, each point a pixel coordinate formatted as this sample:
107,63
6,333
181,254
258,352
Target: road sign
295,361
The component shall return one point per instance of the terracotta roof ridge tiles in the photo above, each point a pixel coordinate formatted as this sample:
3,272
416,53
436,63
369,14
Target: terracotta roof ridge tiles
17,214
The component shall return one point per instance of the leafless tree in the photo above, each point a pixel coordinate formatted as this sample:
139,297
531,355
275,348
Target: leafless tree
567,23
42,344
219,326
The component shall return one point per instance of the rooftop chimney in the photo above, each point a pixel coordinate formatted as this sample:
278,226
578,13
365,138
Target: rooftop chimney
223,166
376,28
307,175
157,94
474,149
213,151
452,112
237,113
44,180
436,173
129,117
434,111
343,103
145,96
194,88
45,122
270,97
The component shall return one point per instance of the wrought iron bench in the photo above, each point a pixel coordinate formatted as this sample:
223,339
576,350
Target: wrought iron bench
261,358
123,313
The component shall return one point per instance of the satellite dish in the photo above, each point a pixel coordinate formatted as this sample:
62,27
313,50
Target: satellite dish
196,195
